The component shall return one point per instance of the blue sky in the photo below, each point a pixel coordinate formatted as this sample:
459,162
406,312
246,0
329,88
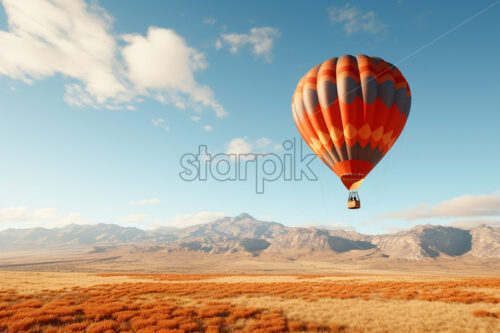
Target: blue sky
99,101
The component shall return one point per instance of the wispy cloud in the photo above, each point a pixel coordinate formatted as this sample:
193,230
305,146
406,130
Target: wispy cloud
22,216
239,146
146,202
134,218
244,146
160,122
485,205
14,214
260,40
278,147
45,38
471,223
209,20
187,220
354,20
47,213
262,142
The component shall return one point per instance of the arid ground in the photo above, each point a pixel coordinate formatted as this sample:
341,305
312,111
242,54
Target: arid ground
90,302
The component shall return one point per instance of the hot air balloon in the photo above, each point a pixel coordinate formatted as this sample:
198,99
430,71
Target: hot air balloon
350,111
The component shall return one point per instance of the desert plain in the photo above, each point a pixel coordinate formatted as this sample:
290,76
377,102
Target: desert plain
49,302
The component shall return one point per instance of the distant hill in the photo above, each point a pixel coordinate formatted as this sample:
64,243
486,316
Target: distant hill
245,234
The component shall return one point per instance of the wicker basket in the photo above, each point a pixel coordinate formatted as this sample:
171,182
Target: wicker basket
353,204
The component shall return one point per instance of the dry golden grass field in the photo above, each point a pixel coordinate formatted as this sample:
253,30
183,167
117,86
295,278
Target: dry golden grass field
143,303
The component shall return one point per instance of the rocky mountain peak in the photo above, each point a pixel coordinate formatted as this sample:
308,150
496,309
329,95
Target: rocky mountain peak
243,233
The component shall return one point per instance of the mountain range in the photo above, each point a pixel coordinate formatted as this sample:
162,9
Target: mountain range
246,235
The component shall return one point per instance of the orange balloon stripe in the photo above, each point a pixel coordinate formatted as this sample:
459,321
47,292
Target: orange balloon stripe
333,122
309,143
344,74
371,128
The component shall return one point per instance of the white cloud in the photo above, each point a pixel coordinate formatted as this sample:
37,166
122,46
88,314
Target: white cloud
60,37
209,20
146,202
238,146
24,217
163,62
464,206
260,40
408,214
208,128
278,147
47,213
242,146
71,38
187,220
134,218
468,205
160,122
73,218
354,20
14,214
471,223
262,142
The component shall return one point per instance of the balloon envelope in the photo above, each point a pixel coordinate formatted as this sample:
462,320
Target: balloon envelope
350,111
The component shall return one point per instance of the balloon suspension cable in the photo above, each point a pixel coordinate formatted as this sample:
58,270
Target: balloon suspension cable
353,196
